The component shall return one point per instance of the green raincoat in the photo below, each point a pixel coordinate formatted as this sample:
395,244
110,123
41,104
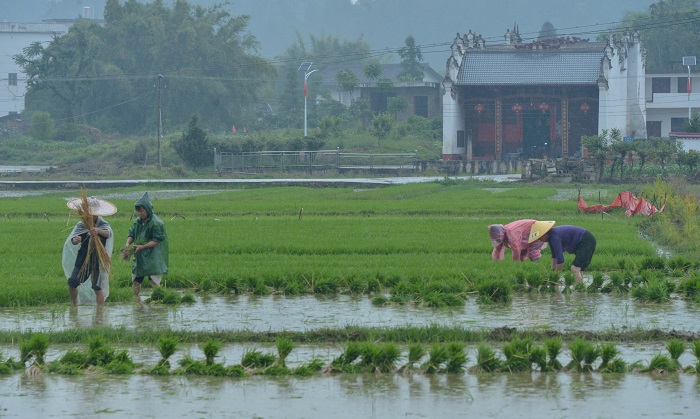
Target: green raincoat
152,261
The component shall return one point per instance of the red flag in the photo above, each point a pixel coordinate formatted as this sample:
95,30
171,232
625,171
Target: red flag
244,129
687,87
233,129
306,91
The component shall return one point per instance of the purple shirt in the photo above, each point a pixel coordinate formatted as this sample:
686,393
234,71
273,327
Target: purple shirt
564,239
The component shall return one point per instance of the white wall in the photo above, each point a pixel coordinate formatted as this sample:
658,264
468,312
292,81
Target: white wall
14,37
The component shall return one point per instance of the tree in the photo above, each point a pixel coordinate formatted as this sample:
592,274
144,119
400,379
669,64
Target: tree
382,125
193,146
397,104
665,150
597,146
548,31
411,59
348,82
693,124
42,126
670,30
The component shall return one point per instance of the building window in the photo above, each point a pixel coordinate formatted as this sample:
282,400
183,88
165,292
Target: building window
12,79
460,138
420,106
682,85
660,85
678,124
653,129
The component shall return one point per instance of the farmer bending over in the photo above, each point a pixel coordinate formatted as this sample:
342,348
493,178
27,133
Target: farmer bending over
566,238
151,246
514,236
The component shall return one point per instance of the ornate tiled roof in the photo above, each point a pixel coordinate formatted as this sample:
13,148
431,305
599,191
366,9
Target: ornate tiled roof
523,66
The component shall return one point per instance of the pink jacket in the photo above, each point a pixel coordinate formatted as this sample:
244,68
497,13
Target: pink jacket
514,236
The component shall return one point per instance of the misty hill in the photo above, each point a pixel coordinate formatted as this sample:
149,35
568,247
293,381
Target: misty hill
383,24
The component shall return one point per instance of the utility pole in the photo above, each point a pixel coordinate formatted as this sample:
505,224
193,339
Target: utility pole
305,66
688,61
160,123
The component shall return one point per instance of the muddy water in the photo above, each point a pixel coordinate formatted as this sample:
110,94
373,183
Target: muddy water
354,396
562,312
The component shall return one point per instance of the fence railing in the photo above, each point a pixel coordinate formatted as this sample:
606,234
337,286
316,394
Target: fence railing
312,161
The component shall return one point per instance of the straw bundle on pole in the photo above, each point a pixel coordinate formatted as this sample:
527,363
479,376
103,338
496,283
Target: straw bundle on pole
95,246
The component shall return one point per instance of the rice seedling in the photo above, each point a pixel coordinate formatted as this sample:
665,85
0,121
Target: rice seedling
284,347
655,291
191,366
308,369
188,298
35,347
661,363
535,280
597,282
256,359
211,349
653,263
538,356
166,347
608,352
486,359
675,348
517,354
436,357
121,364
695,349
690,287
380,300
553,347
415,354
569,280
583,355
99,352
457,358
74,357
495,291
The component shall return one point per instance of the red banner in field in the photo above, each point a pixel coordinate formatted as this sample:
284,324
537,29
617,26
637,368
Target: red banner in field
626,200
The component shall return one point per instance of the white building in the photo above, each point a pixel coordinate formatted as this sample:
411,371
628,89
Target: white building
668,102
14,37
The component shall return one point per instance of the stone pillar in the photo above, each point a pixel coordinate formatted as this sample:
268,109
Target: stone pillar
499,127
564,126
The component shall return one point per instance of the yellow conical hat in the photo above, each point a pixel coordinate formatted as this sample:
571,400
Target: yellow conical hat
539,229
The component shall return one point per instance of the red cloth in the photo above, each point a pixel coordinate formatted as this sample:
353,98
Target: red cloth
626,200
514,236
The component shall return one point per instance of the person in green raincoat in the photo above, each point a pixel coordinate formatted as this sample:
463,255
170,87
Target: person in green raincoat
151,246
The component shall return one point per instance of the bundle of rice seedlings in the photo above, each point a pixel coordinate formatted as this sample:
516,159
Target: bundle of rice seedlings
95,247
211,349
284,348
486,358
553,346
126,252
675,348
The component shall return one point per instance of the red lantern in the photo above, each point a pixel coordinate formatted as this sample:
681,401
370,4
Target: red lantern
585,107
479,108
517,108
544,107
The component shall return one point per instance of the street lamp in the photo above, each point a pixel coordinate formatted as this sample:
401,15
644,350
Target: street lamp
688,61
305,66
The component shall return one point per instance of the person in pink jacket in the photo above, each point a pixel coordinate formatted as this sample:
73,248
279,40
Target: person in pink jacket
514,236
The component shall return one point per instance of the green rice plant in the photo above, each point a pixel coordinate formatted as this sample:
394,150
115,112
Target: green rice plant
378,358
495,290
308,369
188,298
679,263
74,357
211,349
655,263
437,356
166,347
583,355
217,370
191,366
538,356
35,347
121,364
517,354
597,282
99,352
380,300
569,280
617,365
608,352
275,370
690,287
661,363
457,358
284,347
535,280
352,352
158,294
655,291
695,349
675,348
236,371
553,347
256,359
486,358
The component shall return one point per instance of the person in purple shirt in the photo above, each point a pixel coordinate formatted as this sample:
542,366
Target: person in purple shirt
566,238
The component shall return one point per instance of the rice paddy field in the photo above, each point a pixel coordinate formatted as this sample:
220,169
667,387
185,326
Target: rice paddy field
392,288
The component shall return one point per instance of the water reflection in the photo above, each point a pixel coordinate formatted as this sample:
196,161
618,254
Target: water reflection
562,312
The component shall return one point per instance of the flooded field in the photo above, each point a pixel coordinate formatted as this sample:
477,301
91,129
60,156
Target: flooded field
556,311
528,395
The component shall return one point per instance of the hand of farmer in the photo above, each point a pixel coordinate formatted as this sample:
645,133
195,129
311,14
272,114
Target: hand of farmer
76,240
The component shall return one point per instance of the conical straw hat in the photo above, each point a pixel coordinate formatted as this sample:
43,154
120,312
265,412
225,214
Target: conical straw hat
539,229
96,206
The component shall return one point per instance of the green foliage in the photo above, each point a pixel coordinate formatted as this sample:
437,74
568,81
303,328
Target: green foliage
486,358
211,349
411,58
495,290
583,355
193,147
553,347
35,347
382,125
42,126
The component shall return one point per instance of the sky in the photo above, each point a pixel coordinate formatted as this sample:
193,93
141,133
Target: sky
433,26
